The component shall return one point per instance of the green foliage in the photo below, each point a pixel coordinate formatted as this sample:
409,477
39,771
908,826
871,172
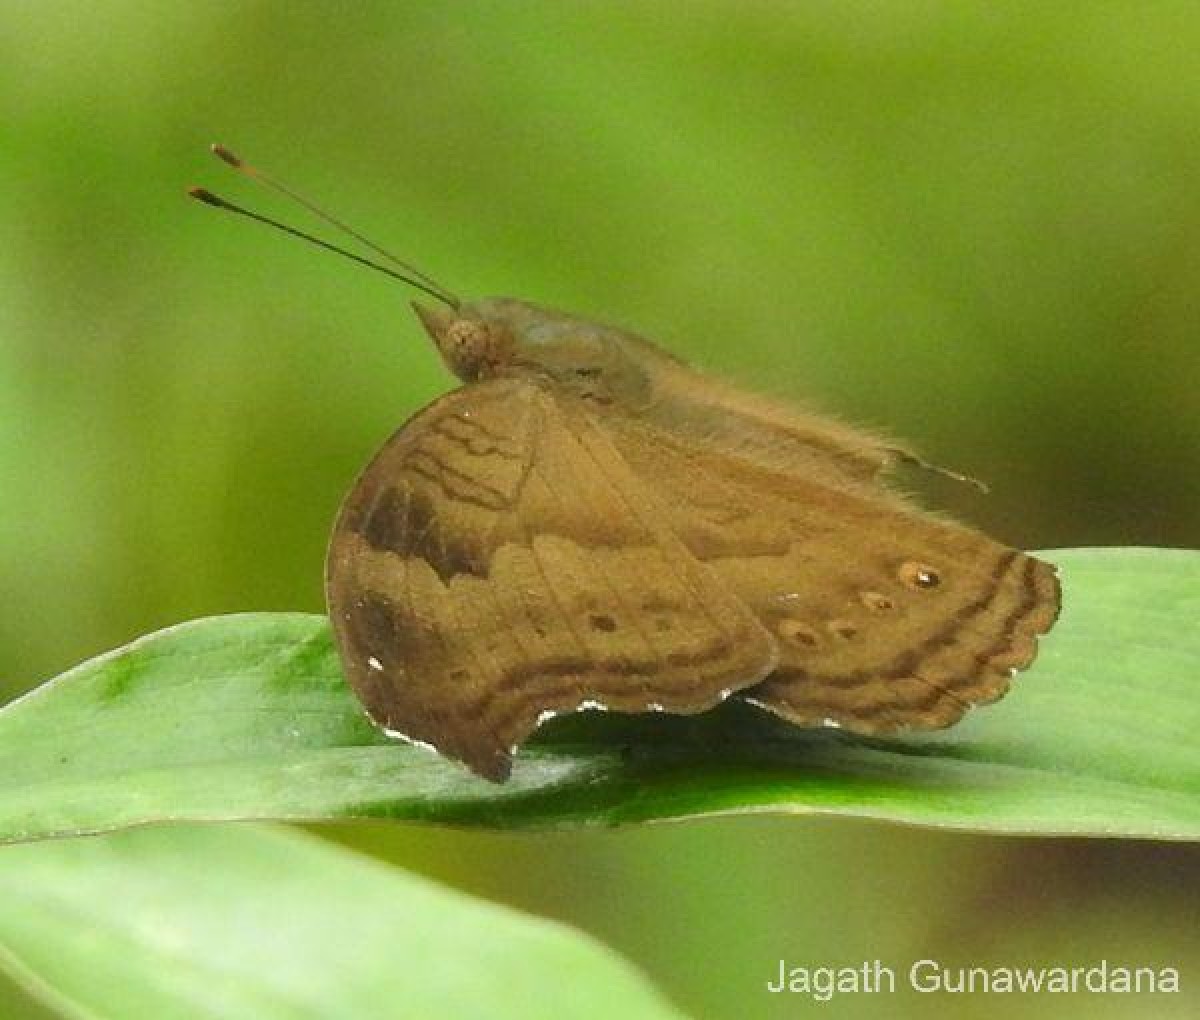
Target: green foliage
256,923
972,225
248,717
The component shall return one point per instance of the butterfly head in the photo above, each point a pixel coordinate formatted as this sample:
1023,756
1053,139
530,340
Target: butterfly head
494,336
480,339
473,343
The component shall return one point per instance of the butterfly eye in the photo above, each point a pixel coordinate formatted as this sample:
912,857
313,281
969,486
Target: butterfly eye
463,334
468,348
919,575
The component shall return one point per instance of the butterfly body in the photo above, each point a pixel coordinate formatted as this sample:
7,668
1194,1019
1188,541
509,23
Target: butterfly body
588,522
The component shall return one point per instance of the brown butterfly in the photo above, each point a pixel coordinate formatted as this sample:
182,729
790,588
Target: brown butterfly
587,522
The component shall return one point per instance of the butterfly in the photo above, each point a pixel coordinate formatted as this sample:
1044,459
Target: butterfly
589,523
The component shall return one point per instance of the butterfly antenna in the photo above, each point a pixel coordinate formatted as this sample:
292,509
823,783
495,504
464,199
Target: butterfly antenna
244,168
208,198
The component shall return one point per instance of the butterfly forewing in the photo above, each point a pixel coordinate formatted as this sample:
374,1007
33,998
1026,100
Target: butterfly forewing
498,562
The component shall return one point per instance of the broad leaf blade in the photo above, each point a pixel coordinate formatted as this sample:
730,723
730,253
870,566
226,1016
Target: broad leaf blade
179,923
248,717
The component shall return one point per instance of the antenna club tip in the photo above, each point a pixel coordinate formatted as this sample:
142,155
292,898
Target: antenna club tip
226,156
203,195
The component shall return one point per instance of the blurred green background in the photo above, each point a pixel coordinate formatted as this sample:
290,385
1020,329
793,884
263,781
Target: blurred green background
976,225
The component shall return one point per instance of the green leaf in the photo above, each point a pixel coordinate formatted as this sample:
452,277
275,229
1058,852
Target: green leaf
181,923
248,717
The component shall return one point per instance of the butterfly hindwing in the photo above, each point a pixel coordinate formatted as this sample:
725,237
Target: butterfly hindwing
498,562
886,617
